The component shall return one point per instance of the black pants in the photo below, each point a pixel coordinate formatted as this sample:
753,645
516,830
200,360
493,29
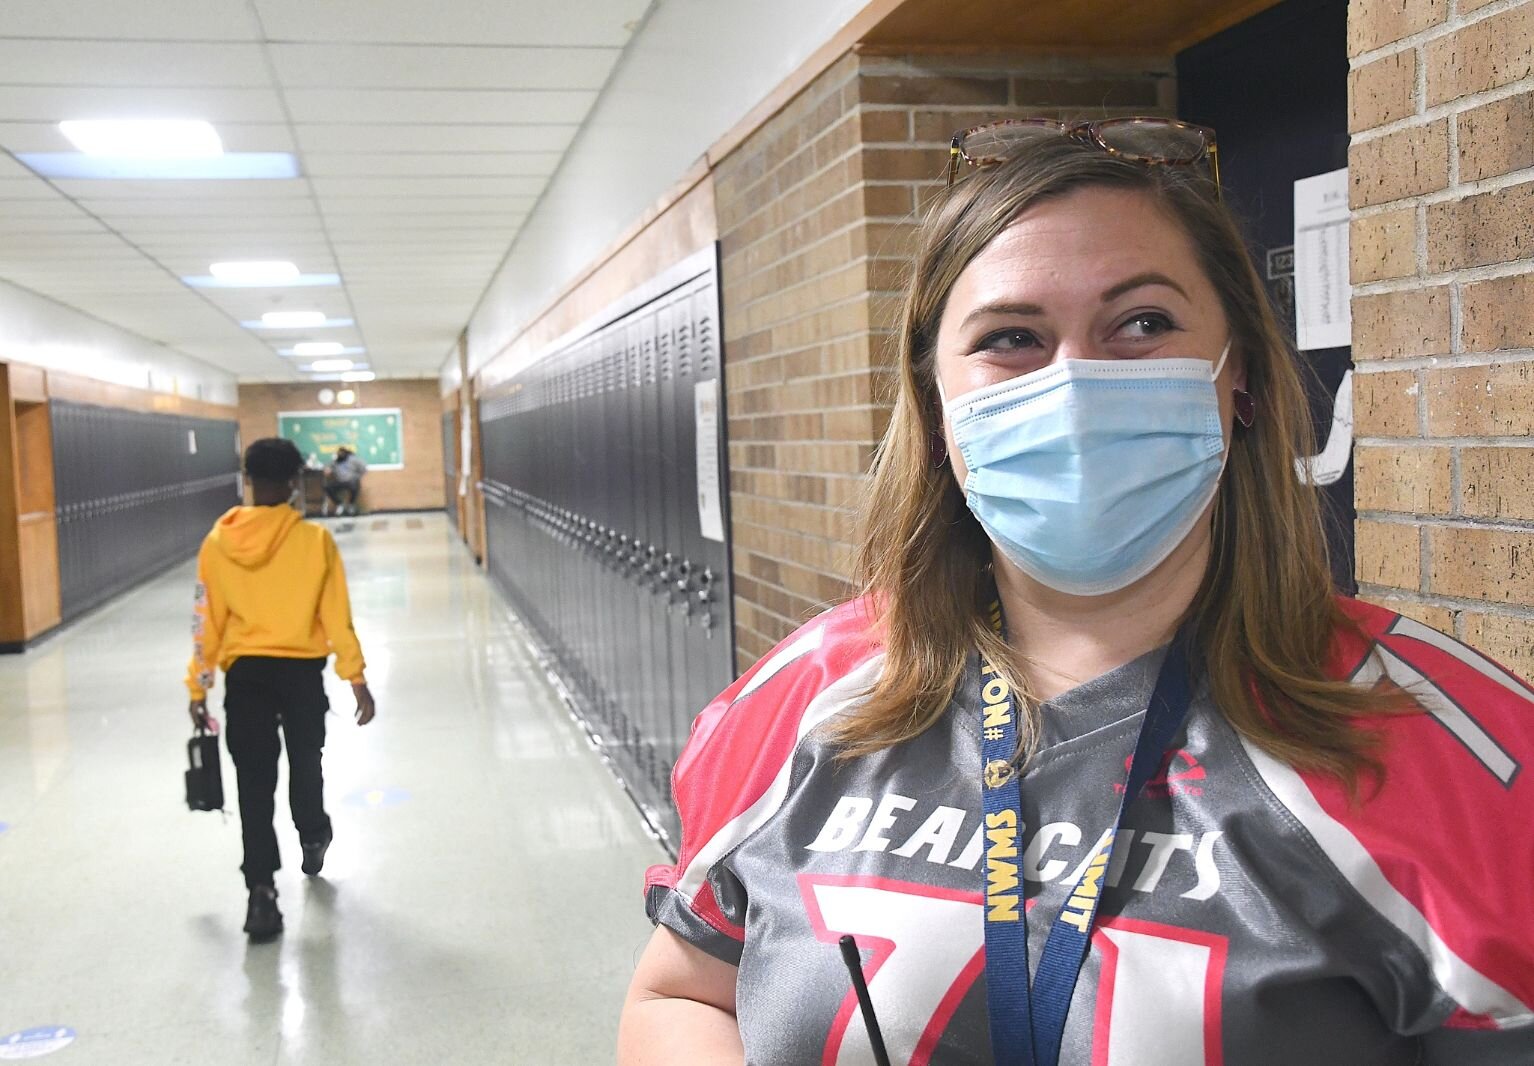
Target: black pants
336,490
261,693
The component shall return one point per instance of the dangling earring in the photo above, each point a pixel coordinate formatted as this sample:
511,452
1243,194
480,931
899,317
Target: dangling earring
1246,408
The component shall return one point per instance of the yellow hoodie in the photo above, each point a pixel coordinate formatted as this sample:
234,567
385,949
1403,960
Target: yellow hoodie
271,584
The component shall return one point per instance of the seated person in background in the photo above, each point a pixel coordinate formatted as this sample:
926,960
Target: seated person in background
343,481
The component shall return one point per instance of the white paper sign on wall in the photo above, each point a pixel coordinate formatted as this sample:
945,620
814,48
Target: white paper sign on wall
1322,294
706,416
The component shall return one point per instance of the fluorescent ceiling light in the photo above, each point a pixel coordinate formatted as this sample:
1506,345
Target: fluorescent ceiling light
321,323
232,166
209,281
339,349
255,272
142,138
358,375
293,319
318,348
330,366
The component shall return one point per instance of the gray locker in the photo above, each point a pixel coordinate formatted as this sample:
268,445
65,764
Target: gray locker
135,493
594,525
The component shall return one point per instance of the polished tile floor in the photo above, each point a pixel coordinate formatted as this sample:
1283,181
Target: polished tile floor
481,903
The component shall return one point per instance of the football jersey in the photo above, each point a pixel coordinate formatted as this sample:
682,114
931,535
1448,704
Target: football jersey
1252,913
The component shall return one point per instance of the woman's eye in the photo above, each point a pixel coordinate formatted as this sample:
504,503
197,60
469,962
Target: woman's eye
1007,340
1148,324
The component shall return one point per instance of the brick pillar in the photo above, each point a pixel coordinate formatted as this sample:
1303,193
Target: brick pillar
1442,167
816,211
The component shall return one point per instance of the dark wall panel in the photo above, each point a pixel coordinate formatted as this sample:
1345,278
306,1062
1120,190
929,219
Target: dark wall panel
1275,89
136,492
594,523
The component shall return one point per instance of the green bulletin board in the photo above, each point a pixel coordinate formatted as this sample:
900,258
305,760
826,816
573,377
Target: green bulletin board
375,434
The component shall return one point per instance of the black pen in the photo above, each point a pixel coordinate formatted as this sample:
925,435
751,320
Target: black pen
854,963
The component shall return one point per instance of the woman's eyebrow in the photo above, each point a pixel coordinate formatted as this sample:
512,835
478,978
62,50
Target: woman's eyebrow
1002,307
1140,280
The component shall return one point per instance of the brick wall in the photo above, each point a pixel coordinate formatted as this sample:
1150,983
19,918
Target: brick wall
816,210
419,485
1441,108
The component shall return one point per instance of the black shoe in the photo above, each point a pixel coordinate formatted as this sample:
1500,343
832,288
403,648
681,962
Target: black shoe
314,856
263,921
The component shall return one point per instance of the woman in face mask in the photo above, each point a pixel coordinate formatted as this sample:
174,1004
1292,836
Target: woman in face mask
1098,769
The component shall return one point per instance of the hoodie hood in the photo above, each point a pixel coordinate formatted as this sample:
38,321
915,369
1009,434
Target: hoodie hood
250,536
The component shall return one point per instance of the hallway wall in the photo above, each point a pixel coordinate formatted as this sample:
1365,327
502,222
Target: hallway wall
1442,170
43,333
419,485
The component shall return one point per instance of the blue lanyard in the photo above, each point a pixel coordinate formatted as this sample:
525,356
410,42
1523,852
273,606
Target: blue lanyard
1028,1019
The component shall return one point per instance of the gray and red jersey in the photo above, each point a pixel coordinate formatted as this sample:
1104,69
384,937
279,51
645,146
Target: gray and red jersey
1254,914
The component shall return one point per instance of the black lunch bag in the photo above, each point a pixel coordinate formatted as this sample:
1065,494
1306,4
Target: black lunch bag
204,775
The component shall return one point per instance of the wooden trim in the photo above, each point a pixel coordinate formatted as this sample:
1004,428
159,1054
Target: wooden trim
12,587
38,552
1225,20
76,389
29,384
981,51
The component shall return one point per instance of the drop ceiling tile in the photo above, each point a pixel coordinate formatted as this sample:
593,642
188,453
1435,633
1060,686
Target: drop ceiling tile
362,66
357,265
54,103
425,227
406,106
85,244
223,247
89,190
474,22
152,230
55,208
143,20
25,188
130,64
228,210
477,206
444,136
330,189
384,248
430,164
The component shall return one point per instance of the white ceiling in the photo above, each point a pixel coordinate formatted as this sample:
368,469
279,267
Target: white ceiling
424,132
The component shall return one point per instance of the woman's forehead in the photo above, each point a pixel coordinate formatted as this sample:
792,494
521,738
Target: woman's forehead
1083,238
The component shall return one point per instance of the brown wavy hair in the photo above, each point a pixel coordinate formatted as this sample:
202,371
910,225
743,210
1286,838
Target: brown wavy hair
1265,613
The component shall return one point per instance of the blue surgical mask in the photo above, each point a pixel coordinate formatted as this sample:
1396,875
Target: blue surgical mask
1088,473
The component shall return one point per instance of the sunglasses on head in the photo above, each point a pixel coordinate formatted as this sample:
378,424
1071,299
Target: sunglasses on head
1148,141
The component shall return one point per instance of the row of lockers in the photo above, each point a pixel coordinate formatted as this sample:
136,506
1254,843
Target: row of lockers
135,492
450,448
604,494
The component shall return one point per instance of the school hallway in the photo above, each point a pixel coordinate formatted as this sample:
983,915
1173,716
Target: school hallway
481,902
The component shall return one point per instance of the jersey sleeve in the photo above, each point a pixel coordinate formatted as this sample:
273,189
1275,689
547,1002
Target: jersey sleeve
735,772
1443,847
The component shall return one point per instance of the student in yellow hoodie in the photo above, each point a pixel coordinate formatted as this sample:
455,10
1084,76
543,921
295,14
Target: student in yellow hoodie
271,606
